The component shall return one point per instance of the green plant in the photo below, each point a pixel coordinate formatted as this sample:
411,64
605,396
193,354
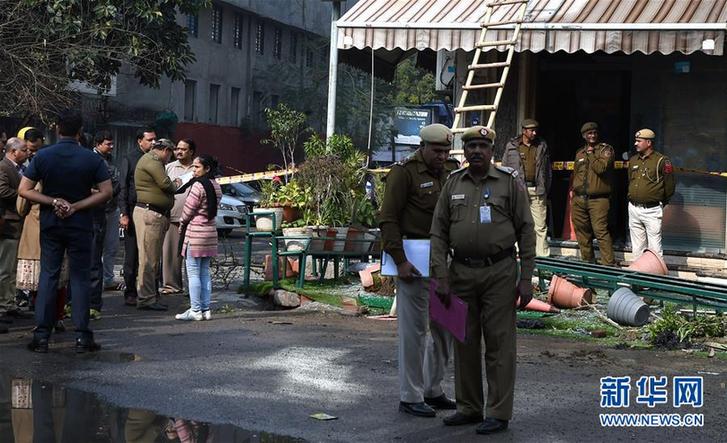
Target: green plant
364,212
286,127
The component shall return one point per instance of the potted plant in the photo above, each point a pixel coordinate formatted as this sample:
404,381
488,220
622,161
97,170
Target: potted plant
269,203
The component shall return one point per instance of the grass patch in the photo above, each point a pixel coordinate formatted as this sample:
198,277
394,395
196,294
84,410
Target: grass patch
323,292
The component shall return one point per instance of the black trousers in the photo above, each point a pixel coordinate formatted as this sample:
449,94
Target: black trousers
54,243
97,279
131,260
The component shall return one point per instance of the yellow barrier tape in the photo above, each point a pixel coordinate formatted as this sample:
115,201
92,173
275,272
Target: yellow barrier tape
253,176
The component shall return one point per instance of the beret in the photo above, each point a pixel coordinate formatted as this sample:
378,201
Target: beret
478,132
437,134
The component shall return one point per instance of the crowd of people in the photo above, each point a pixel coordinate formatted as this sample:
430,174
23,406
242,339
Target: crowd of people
59,227
479,220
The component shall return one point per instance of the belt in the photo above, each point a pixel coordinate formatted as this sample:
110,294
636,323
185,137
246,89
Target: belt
483,262
593,197
645,205
154,208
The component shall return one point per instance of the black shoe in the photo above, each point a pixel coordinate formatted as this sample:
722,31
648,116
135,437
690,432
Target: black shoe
39,345
130,300
491,425
441,402
459,419
152,307
419,409
84,345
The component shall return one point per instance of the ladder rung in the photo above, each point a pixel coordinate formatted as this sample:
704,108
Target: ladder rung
500,23
496,43
483,86
489,65
458,130
476,108
505,3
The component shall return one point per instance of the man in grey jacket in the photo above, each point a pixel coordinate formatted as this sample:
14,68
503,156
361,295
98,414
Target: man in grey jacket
528,155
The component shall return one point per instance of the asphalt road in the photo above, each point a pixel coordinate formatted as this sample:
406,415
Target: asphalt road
267,371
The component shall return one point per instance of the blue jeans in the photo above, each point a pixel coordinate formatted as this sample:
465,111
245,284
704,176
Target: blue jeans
200,282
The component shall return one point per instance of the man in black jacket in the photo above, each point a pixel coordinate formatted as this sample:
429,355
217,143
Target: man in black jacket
127,201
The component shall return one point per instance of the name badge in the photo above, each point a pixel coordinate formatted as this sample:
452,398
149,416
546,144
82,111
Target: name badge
426,185
485,214
457,196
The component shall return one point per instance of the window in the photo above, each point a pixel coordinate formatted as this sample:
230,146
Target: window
308,57
237,32
216,27
235,106
293,56
278,43
260,38
214,101
190,93
193,24
257,108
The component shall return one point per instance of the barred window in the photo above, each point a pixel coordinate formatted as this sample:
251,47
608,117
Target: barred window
293,56
193,24
260,38
216,30
237,32
278,43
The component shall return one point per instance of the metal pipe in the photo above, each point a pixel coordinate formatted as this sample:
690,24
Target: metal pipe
332,70
542,26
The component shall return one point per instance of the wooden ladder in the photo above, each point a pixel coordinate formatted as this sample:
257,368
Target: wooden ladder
460,111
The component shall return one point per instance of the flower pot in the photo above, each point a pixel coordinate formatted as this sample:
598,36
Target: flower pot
315,232
650,263
359,241
264,223
290,214
339,234
627,308
295,244
538,306
565,294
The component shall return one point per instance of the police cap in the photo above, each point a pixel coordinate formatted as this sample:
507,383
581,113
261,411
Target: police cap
589,126
646,134
478,132
530,123
436,134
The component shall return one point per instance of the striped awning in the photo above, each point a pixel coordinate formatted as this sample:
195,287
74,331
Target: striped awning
628,26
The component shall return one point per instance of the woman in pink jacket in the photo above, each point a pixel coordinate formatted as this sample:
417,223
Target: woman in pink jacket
198,234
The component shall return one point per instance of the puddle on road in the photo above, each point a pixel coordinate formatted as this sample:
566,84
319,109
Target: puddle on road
33,411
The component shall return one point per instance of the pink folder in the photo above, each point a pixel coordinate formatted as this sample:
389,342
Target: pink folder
454,318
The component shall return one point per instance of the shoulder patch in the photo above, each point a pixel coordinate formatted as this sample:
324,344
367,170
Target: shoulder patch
507,170
668,168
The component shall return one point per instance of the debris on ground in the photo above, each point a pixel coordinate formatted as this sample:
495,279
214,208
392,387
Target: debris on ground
323,416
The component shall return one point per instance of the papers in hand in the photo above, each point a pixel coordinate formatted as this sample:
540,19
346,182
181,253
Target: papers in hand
452,318
416,251
185,178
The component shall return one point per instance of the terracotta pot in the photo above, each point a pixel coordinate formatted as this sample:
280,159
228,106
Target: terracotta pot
337,238
290,214
315,232
359,241
650,263
537,305
565,294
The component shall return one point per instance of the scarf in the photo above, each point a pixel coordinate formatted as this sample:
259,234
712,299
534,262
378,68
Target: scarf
209,191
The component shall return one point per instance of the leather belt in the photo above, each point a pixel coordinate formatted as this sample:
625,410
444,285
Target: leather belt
593,197
645,205
154,208
483,262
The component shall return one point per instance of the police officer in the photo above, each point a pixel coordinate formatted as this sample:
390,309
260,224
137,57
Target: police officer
412,188
651,185
592,176
528,154
482,212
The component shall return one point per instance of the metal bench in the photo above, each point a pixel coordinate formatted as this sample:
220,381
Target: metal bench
661,287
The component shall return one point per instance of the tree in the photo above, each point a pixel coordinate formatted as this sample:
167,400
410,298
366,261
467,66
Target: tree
47,44
286,127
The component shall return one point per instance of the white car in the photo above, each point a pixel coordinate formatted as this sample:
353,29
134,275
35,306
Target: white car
237,200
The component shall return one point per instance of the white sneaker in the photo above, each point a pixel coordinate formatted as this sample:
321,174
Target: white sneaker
207,315
188,315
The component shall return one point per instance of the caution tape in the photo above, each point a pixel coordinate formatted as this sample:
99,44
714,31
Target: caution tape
253,176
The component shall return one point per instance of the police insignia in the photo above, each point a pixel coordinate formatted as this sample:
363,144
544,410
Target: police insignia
668,168
484,132
450,137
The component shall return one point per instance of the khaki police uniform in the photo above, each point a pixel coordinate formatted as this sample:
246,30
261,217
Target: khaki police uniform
651,185
480,221
592,178
409,200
